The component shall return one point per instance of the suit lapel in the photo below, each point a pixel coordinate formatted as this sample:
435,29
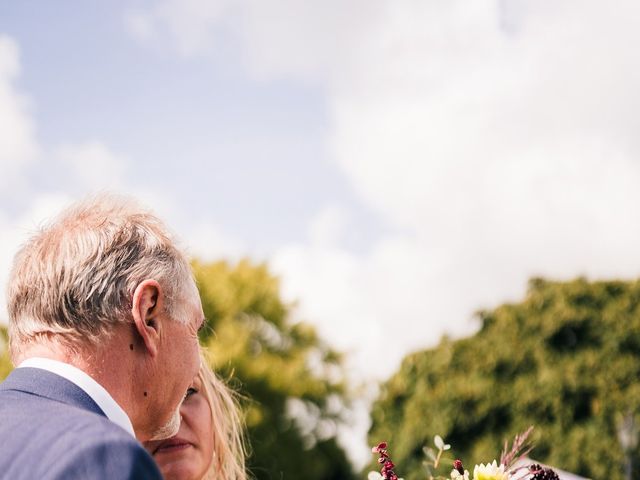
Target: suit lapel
49,385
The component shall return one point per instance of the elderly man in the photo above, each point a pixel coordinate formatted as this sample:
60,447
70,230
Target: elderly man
103,323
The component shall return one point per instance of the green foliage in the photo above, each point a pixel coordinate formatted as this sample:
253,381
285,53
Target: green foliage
294,383
5,363
566,359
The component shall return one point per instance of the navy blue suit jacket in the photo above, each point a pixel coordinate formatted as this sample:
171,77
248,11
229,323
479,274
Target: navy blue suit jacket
51,429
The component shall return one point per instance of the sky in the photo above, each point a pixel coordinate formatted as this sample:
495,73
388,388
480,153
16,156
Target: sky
399,164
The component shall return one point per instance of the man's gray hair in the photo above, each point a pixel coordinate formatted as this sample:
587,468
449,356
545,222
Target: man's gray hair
76,276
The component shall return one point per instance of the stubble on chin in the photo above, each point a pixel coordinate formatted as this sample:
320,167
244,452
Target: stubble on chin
169,429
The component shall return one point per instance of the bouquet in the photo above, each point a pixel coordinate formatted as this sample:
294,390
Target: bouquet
510,467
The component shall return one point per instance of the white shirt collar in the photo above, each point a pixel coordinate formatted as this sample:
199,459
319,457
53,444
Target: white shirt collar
98,394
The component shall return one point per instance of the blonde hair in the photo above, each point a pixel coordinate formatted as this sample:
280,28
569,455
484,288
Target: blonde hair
76,276
229,447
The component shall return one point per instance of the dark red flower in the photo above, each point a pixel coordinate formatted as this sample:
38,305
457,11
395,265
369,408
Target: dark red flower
387,465
381,447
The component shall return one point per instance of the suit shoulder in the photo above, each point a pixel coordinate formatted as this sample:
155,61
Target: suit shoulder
106,458
53,440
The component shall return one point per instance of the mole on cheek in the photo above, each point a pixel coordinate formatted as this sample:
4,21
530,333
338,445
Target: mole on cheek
145,394
131,346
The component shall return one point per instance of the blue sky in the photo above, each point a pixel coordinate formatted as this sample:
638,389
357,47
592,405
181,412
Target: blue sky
400,164
217,141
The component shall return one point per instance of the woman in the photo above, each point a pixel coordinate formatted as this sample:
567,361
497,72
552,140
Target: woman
209,443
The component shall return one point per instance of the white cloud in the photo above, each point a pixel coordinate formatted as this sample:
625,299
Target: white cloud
384,303
505,155
500,138
188,23
478,125
18,146
327,228
308,40
92,165
313,41
209,242
139,24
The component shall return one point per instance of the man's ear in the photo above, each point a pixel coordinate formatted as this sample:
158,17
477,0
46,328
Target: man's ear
147,304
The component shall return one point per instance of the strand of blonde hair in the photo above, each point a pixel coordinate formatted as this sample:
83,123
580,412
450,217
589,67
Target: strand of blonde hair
229,445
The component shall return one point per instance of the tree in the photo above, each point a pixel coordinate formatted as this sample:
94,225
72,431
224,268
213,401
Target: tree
566,359
296,395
